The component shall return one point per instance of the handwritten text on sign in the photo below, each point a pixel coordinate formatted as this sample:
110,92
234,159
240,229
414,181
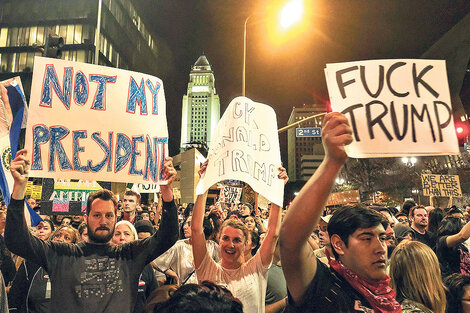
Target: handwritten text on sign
87,120
441,185
395,107
230,194
245,146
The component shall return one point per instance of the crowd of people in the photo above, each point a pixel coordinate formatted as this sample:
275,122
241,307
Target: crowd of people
127,256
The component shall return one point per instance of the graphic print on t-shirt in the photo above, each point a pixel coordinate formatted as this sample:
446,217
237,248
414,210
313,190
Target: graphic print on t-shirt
101,277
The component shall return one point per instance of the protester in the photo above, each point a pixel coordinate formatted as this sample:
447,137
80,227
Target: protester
403,232
252,245
205,297
94,276
402,218
31,289
125,232
458,293
245,279
3,296
178,261
131,200
419,223
276,289
453,255
7,266
416,278
435,217
357,279
324,253
83,232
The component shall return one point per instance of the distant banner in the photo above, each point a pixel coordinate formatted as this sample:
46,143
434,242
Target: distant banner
395,107
88,121
148,188
230,194
441,185
67,197
245,146
350,196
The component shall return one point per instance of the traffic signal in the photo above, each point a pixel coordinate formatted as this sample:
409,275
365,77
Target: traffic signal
53,46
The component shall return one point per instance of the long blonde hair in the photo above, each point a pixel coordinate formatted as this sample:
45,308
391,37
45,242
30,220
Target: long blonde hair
415,275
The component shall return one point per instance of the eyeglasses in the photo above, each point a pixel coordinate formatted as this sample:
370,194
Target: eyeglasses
402,220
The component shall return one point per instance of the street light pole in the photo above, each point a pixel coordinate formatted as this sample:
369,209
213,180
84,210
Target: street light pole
244,56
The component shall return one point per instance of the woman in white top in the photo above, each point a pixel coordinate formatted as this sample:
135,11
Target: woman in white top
246,280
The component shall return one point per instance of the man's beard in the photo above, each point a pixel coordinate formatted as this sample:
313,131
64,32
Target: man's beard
93,237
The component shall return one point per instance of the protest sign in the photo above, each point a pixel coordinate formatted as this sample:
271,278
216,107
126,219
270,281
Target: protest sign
230,194
395,107
147,188
441,185
245,146
88,121
68,197
350,196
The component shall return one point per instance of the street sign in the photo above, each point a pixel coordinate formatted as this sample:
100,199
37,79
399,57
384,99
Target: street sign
308,132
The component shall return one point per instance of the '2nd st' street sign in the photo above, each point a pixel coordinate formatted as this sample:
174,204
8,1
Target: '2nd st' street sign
308,132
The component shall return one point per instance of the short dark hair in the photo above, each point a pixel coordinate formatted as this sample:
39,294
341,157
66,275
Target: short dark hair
103,194
205,297
254,241
449,226
454,211
406,206
350,218
455,290
416,207
132,193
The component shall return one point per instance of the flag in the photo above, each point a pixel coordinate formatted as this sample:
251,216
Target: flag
13,114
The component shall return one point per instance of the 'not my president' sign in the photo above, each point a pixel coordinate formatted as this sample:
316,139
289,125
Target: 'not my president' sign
395,107
91,122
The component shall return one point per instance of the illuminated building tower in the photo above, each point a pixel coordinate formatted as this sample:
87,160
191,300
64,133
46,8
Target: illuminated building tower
201,107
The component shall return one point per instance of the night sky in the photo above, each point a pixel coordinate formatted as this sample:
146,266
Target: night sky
289,73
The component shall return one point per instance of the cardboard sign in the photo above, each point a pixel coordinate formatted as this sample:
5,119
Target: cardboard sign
395,107
68,197
441,185
88,121
230,194
245,146
344,197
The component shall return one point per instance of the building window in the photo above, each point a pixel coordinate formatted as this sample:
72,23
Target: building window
3,37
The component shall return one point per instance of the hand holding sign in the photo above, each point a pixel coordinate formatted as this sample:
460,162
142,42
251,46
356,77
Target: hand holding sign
19,169
336,134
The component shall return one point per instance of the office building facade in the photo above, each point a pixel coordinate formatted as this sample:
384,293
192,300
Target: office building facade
304,153
124,41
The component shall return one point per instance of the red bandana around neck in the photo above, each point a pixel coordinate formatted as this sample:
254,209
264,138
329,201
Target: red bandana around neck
379,294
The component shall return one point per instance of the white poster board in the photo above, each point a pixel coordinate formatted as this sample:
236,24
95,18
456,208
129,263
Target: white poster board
395,107
93,122
245,146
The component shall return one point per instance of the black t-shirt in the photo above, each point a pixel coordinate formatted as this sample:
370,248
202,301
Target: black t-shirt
329,292
452,259
427,238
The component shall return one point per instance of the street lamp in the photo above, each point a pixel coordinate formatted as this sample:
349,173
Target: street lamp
290,14
410,162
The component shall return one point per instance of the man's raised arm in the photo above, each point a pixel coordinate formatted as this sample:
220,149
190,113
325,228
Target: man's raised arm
298,261
17,236
167,233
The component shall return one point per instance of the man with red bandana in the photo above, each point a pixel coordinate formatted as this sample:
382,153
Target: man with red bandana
356,280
